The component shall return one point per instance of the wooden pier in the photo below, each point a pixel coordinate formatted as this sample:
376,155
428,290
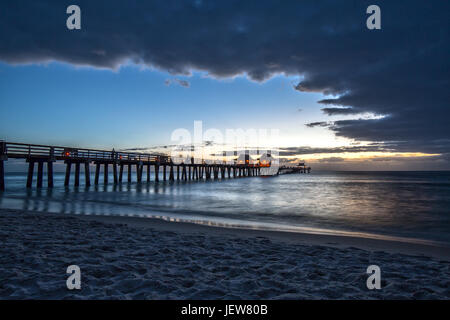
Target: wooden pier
78,158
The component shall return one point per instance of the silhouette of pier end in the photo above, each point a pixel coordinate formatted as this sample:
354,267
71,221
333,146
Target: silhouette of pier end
77,160
300,168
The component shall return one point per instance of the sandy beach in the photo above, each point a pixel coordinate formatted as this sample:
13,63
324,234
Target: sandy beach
138,258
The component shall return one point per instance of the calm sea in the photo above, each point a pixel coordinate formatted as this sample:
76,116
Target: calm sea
412,205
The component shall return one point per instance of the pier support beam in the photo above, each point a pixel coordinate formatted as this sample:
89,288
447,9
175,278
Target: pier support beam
183,174
139,172
67,177
178,172
171,173
196,172
3,158
115,173
2,176
30,173
156,173
97,173
129,173
77,174
105,175
87,174
121,173
148,173
40,174
164,173
50,174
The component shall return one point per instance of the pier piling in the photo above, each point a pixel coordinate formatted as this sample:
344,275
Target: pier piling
87,174
115,172
97,173
50,174
67,177
77,174
105,175
2,175
40,174
183,174
30,173
139,172
3,158
121,173
156,172
171,173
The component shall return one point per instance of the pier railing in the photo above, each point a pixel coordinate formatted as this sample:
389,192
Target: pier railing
28,151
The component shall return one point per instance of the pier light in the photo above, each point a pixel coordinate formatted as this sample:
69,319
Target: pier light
264,163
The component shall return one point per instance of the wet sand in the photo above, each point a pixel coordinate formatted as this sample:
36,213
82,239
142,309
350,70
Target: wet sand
139,258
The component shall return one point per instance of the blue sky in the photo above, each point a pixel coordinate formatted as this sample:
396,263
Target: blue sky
61,104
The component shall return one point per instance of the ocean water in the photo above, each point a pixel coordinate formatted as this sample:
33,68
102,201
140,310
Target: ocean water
413,206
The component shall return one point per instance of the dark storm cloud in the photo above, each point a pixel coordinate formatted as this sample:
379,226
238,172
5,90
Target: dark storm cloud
338,111
183,83
400,71
294,151
318,124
